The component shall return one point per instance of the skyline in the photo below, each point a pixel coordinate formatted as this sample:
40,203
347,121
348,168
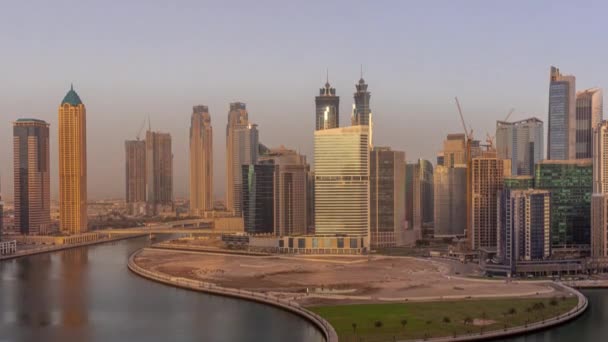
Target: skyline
410,81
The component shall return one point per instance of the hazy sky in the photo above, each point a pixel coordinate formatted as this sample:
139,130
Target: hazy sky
131,59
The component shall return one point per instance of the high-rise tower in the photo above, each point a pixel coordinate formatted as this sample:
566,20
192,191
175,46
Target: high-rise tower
201,161
589,112
135,171
242,145
32,176
361,110
522,142
159,170
327,108
72,164
561,140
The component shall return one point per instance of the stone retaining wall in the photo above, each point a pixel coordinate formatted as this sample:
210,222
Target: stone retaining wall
324,327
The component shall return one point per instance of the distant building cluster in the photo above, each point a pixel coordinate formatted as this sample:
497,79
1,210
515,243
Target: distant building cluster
502,199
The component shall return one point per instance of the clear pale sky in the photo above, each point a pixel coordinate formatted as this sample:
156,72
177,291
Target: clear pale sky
131,59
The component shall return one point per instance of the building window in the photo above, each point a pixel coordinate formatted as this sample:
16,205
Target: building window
301,243
315,243
340,242
290,243
353,243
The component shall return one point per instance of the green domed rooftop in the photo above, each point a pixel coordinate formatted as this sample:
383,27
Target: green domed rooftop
71,98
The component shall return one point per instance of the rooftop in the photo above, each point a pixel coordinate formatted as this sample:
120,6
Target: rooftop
71,98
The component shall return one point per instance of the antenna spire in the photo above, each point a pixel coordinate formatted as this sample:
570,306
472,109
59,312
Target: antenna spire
72,86
361,71
327,75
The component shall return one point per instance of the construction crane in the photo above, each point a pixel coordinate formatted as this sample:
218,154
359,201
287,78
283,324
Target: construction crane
143,124
509,115
469,160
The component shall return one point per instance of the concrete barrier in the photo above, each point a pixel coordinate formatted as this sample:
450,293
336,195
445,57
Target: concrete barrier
320,323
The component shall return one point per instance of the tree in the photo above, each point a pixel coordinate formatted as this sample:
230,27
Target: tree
468,320
378,324
403,323
355,327
446,319
512,311
553,302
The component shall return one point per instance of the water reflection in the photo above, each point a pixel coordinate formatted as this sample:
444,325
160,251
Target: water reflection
88,294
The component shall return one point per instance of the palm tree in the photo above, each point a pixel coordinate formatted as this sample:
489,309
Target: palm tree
378,324
355,328
403,323
446,319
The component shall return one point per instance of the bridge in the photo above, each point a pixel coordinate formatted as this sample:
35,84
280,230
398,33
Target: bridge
195,226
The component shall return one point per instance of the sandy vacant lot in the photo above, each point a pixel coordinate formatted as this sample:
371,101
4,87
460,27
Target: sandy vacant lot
329,278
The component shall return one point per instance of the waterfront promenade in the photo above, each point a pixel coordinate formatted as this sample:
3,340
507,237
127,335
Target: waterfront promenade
289,305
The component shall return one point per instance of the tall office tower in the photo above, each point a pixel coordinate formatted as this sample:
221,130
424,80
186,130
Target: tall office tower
259,193
387,196
310,200
599,225
361,110
524,225
600,158
570,183
419,194
561,140
487,174
522,143
342,181
159,170
242,144
291,191
135,173
72,164
32,176
589,112
450,195
454,150
599,200
201,161
327,106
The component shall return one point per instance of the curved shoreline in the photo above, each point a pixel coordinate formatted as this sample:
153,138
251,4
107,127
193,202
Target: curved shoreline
320,323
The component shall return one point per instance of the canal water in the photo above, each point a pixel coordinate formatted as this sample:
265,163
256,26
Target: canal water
88,294
591,326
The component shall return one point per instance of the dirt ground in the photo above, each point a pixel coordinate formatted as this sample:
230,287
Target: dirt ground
327,279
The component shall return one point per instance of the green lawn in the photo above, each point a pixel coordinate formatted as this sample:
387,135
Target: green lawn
385,322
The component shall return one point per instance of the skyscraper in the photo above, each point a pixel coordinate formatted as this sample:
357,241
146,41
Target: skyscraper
487,174
419,194
570,183
259,191
524,225
387,196
342,181
159,170
135,171
242,143
454,150
72,164
32,179
201,161
589,112
291,191
561,139
522,143
361,110
327,106
599,200
450,194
